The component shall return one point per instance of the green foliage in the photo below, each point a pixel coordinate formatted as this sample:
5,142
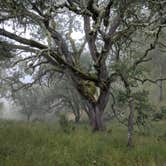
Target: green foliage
90,87
65,125
38,144
142,107
125,68
157,116
31,101
163,110
121,96
160,114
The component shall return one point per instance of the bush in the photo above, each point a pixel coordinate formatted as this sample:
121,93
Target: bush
157,116
163,111
161,115
65,124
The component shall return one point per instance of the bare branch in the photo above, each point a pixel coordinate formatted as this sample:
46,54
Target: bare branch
152,47
22,60
149,80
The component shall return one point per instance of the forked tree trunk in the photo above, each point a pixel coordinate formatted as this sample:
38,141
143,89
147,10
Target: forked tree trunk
130,124
95,117
95,108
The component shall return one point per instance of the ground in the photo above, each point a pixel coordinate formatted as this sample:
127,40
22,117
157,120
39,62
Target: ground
40,144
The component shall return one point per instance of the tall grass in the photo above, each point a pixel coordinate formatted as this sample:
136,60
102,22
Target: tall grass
40,144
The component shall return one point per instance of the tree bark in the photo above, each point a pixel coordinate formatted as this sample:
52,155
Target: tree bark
161,91
130,124
161,84
95,115
97,120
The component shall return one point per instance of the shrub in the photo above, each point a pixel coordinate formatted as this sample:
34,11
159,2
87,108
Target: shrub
161,115
163,111
65,124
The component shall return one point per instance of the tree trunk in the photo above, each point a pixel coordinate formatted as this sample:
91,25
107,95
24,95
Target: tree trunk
95,116
95,107
97,119
28,117
130,124
161,84
77,118
161,91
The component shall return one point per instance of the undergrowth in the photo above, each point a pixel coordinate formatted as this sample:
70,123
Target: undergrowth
41,144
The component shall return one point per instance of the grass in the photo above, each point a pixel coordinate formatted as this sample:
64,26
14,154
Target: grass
40,144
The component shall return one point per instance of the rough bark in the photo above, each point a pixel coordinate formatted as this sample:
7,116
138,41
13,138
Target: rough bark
97,120
95,115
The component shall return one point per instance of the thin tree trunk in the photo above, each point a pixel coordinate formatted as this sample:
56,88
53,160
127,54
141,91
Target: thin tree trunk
28,117
77,118
161,84
130,124
161,91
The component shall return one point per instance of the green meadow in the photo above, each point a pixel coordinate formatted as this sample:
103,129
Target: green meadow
42,144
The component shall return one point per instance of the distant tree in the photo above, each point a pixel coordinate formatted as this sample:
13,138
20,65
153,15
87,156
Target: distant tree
158,62
29,102
60,95
1,109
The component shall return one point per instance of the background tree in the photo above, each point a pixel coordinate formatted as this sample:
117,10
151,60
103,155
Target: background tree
159,61
1,108
28,102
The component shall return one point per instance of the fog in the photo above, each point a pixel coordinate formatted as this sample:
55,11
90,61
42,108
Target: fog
10,111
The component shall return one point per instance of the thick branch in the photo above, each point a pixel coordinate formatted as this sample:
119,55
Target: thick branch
20,47
22,40
91,38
